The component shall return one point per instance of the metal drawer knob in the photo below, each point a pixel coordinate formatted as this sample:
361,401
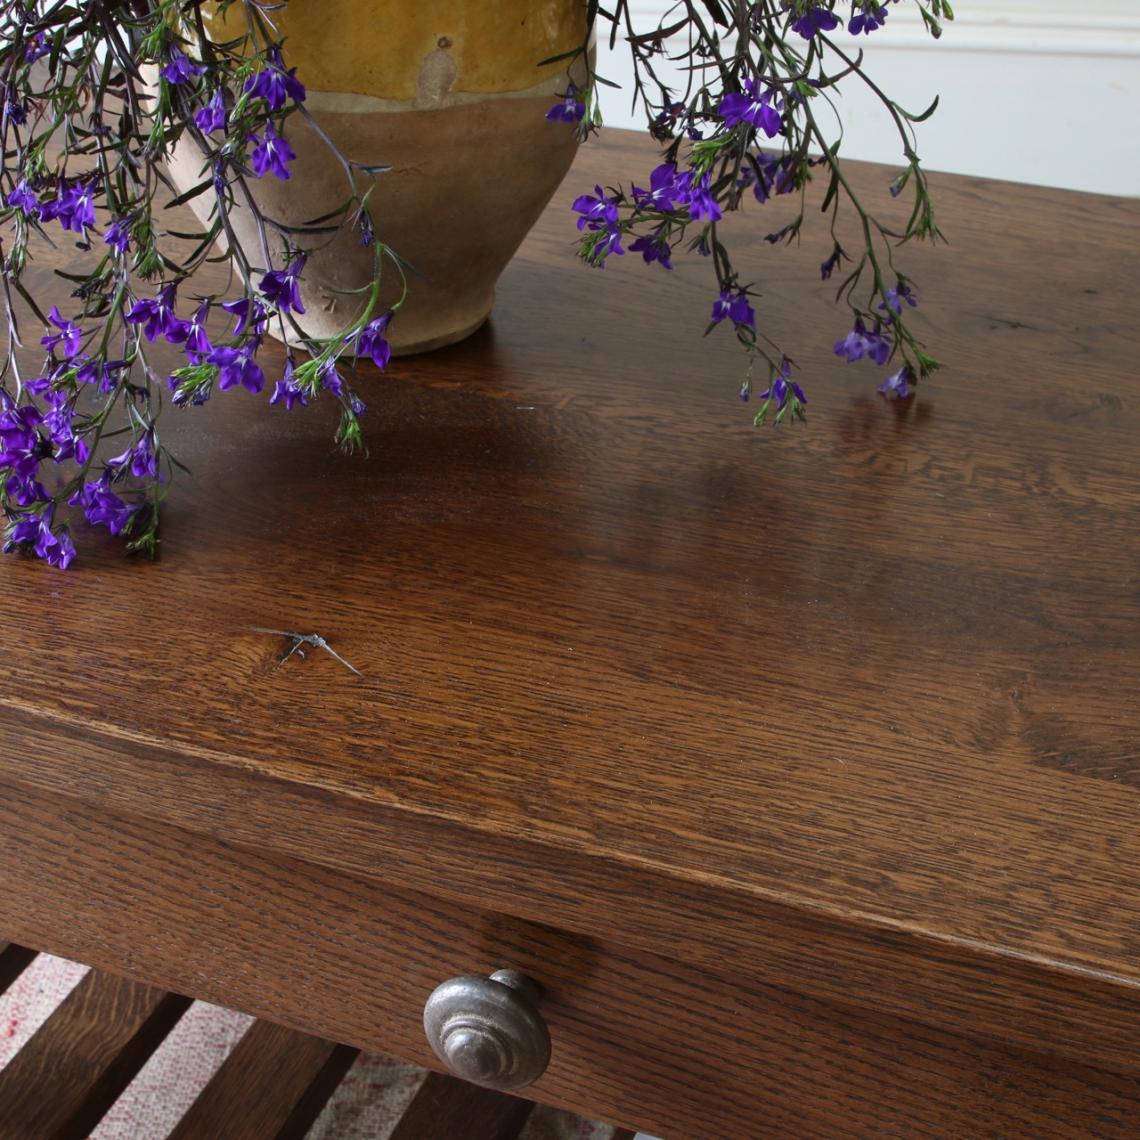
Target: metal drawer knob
488,1030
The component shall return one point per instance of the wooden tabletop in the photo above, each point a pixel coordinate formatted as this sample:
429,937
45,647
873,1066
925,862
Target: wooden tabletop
850,706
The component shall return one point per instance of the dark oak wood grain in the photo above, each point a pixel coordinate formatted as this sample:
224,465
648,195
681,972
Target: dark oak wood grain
444,1106
13,961
848,710
271,1087
59,1085
687,1053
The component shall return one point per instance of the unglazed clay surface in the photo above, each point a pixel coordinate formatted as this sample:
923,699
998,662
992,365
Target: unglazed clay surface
449,96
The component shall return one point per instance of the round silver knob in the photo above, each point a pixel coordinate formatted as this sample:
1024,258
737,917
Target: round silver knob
488,1030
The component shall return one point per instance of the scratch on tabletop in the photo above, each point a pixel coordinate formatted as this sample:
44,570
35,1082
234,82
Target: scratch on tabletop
299,639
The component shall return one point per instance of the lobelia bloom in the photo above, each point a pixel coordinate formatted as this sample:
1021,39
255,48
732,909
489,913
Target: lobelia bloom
702,205
69,339
100,372
140,458
896,297
815,20
752,106
828,267
270,153
275,85
736,307
54,547
598,211
102,507
281,287
898,382
859,343
769,174
118,236
783,387
374,343
61,427
25,490
36,47
74,206
179,69
331,379
23,198
571,109
237,366
868,19
251,314
287,391
158,317
653,248
666,186
21,446
212,117
197,343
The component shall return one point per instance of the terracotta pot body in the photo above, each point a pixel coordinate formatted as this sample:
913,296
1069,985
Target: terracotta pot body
449,95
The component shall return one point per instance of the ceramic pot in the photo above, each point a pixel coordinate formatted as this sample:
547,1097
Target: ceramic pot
449,95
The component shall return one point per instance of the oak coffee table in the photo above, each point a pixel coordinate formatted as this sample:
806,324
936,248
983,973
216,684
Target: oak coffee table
797,768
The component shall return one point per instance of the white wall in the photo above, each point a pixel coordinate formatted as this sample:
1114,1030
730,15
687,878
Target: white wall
1042,91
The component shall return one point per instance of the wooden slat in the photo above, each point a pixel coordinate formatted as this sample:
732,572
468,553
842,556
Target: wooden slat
62,1082
271,1087
14,960
446,1107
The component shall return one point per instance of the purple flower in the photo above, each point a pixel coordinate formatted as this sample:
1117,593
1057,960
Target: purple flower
118,235
275,85
598,212
736,307
74,206
702,205
237,366
69,339
212,117
771,174
102,373
609,242
897,297
898,382
140,458
54,547
828,267
374,343
22,197
331,380
24,490
270,153
103,507
179,69
814,21
653,248
281,288
197,342
752,106
36,47
158,316
15,111
570,110
859,343
248,313
665,187
21,447
287,391
782,388
868,20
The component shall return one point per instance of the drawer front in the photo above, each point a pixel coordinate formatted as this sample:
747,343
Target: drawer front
638,1040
